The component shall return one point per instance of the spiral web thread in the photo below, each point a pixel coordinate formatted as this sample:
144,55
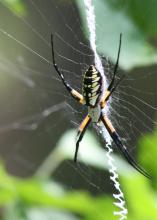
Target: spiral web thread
120,203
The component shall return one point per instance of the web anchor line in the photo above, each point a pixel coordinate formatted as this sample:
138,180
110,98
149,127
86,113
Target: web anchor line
90,16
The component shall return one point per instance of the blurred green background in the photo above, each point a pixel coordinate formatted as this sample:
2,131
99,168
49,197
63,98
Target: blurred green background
38,120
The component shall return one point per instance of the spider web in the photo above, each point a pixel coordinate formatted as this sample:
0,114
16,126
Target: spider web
35,108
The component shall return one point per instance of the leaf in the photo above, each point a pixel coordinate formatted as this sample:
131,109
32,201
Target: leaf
147,153
140,197
142,13
110,22
29,193
16,6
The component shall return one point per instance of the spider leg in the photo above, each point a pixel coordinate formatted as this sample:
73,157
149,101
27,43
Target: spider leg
111,88
116,65
109,93
82,128
121,147
72,91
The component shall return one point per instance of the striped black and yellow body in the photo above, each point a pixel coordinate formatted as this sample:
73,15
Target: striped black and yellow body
92,86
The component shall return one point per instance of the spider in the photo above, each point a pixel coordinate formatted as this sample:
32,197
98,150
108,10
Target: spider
95,98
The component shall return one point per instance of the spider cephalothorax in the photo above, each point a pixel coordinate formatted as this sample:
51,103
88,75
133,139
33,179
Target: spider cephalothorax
95,97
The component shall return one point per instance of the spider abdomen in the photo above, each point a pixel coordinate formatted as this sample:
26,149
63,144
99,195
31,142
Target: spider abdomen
92,86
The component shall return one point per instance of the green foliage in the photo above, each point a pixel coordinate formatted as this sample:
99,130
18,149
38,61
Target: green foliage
141,198
148,147
142,13
19,196
33,198
130,20
16,6
42,198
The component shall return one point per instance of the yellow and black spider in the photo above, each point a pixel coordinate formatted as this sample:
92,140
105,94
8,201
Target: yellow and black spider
95,98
